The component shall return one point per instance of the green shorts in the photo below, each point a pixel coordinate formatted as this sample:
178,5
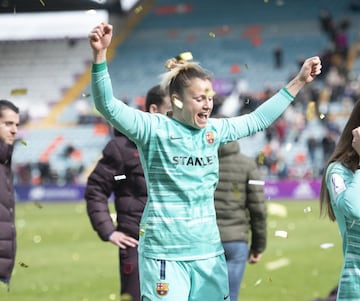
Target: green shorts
196,280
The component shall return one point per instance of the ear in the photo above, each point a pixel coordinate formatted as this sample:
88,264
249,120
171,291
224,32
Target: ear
177,102
153,108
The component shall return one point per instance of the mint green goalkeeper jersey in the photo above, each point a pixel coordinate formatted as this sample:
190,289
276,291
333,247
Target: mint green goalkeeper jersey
181,169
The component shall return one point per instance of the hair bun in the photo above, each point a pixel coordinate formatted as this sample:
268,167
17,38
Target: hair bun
171,63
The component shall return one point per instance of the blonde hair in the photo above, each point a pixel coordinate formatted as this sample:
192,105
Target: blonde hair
179,74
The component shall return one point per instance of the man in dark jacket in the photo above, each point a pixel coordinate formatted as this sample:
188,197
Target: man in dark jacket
9,122
119,171
241,211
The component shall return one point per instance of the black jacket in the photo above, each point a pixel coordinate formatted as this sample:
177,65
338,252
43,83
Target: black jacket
7,213
119,171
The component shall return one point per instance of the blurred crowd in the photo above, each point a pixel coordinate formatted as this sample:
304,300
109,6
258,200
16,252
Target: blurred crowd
296,146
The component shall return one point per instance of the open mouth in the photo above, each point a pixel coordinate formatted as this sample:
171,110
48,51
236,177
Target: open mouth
203,116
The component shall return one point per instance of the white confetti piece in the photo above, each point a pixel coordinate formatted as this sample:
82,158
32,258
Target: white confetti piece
281,233
119,177
326,245
307,209
277,264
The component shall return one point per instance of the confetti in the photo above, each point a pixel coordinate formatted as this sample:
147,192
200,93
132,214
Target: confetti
322,116
212,35
281,233
113,217
266,1
42,2
326,245
113,297
18,91
277,264
288,146
38,204
138,9
261,158
246,66
277,210
37,239
85,95
258,282
185,56
119,177
23,142
247,101
307,209
23,264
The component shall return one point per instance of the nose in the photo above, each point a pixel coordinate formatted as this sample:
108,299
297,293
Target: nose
14,129
208,102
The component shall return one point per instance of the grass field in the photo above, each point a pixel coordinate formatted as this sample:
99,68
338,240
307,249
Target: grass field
60,257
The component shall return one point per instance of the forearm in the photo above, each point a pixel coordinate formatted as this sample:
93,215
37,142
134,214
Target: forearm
294,86
99,56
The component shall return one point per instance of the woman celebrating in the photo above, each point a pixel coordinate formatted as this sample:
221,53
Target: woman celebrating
181,257
339,199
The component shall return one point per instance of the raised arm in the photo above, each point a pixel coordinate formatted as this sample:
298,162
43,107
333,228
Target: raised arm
100,39
309,70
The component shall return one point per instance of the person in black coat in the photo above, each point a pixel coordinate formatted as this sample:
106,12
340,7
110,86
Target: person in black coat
9,122
119,172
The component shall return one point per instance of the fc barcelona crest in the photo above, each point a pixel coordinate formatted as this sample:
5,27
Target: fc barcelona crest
162,288
210,136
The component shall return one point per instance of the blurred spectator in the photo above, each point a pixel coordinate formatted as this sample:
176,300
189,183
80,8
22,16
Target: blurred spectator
9,122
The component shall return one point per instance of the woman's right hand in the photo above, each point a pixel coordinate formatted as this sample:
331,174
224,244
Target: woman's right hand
100,39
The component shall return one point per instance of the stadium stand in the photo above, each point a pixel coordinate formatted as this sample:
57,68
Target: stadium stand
235,41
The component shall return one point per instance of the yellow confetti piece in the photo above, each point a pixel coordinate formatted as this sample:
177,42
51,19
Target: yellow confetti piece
212,35
266,1
322,116
85,95
23,142
261,158
18,91
185,56
42,2
258,282
138,9
112,297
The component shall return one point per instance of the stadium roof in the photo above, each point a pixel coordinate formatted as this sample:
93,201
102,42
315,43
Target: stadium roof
11,6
